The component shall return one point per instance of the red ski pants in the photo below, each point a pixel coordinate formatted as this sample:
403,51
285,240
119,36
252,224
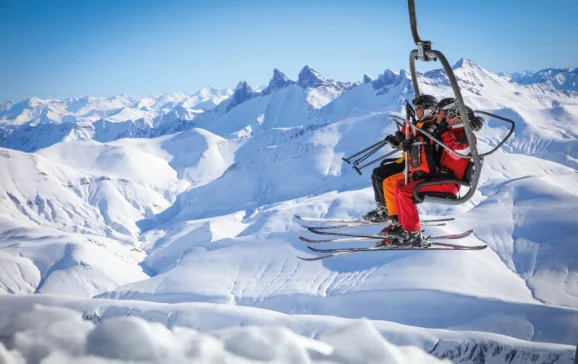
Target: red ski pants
406,208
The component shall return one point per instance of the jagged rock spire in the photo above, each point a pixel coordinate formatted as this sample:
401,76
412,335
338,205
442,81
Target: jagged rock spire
367,78
278,81
243,92
387,78
309,78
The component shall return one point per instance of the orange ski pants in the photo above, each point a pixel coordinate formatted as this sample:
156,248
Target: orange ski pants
389,192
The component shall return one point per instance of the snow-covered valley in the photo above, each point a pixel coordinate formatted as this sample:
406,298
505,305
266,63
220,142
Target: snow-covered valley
180,209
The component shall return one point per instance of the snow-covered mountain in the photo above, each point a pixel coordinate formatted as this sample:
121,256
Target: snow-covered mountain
195,216
37,123
553,78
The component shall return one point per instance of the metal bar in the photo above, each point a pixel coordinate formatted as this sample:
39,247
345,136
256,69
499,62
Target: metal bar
413,21
437,141
467,127
507,136
399,125
412,58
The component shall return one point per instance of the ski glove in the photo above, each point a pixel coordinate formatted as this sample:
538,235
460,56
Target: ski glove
396,139
407,144
442,128
399,136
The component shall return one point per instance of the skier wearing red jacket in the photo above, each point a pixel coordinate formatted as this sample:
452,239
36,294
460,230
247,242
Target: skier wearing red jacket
448,166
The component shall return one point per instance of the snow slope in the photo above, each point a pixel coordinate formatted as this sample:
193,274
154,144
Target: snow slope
206,214
209,333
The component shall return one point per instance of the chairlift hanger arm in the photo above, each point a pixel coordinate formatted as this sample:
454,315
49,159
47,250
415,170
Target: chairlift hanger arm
425,53
413,22
422,45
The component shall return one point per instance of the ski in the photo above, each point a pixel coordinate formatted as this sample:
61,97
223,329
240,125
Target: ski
396,247
341,252
381,237
352,226
337,240
357,221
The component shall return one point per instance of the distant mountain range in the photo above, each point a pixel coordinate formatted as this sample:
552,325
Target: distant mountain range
36,123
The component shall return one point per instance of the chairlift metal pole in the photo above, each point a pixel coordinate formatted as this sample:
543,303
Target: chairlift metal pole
507,136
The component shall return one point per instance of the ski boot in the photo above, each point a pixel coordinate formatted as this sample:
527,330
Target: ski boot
413,239
377,215
394,227
406,239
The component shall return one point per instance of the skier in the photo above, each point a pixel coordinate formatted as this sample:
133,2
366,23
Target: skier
426,109
448,110
449,166
380,173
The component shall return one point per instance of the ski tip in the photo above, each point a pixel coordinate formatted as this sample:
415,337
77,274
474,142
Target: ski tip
317,250
310,259
304,239
297,217
307,227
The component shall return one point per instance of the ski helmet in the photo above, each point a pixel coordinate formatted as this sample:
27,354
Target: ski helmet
429,104
454,110
446,103
476,122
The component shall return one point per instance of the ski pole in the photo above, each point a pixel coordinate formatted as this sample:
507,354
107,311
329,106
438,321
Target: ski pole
380,143
358,169
406,171
369,154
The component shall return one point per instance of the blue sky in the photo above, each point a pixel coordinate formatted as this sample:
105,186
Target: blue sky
61,48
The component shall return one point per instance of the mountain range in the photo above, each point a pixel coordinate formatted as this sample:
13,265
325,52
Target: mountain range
178,208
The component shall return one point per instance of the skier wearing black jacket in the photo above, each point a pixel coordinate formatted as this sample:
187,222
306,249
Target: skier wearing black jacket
384,171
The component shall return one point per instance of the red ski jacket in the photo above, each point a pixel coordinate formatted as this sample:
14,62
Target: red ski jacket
455,139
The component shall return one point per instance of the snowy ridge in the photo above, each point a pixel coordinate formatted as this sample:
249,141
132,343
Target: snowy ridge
553,78
36,123
249,333
129,339
201,210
